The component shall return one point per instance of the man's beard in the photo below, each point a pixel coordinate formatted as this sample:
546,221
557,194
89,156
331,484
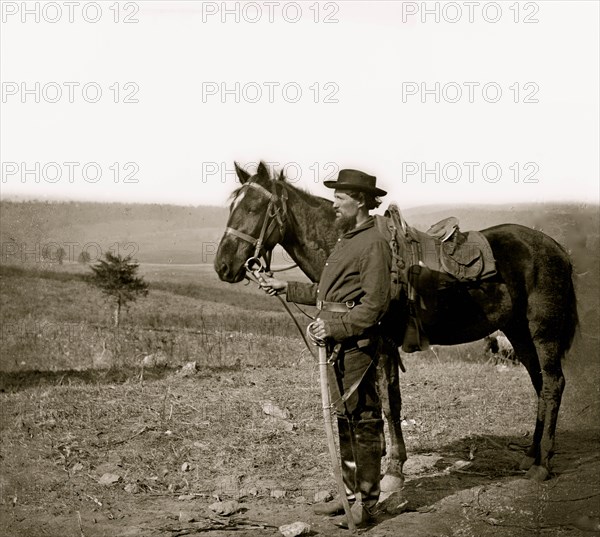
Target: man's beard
345,223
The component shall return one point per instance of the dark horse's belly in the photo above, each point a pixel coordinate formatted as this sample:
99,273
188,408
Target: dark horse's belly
464,314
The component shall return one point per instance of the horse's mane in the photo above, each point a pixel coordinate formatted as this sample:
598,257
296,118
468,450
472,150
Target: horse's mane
310,199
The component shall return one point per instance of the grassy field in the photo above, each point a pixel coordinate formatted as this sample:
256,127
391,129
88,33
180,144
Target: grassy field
54,320
76,405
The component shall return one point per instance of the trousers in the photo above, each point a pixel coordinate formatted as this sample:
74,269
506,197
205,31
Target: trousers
360,426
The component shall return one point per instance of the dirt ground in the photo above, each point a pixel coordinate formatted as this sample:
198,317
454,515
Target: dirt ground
468,485
63,430
441,503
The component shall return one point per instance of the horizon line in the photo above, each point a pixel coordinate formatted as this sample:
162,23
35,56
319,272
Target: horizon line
20,198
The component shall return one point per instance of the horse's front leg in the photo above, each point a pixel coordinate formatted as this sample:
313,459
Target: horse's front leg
388,382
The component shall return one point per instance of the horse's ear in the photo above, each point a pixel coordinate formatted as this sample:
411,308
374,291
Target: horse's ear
262,170
243,176
281,176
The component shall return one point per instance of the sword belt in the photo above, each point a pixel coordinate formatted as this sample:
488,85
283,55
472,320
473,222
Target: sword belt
336,307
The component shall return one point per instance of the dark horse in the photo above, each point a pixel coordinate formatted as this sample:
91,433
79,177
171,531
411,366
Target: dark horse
531,299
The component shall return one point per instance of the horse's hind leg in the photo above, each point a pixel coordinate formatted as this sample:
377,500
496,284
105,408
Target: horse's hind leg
527,355
553,385
389,391
551,316
542,361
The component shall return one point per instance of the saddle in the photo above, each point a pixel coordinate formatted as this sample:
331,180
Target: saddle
466,256
424,264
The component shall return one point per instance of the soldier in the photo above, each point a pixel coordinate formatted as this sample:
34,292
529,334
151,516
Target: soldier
352,296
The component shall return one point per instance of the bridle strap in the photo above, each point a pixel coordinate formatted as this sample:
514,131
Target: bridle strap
263,190
268,227
263,229
241,235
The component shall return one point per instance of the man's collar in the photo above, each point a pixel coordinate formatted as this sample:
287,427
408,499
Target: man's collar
369,222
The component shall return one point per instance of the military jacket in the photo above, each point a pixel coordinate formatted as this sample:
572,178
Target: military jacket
357,270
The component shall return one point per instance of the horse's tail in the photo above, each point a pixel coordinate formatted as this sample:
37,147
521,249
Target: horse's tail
571,318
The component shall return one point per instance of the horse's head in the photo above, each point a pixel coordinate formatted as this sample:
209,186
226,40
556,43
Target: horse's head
255,225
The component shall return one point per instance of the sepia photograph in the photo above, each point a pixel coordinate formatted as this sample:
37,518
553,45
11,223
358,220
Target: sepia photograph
299,268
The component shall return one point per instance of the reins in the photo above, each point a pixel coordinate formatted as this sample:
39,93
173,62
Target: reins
255,274
274,221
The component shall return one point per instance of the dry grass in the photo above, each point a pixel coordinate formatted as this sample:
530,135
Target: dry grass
60,323
454,399
215,422
148,430
60,432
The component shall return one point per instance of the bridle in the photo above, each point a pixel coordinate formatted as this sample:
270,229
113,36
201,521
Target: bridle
275,219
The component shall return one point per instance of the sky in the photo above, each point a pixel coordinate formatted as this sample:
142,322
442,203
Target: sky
445,102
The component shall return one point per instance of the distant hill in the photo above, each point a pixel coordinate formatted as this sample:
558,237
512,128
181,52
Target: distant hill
155,233
553,219
175,234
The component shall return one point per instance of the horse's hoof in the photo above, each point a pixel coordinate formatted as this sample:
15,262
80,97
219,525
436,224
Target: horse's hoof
391,483
527,462
537,473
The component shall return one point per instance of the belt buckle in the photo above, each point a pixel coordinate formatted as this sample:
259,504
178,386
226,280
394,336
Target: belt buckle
350,304
319,305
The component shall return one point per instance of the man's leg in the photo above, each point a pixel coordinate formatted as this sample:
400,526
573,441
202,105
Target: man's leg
346,442
348,470
368,461
364,409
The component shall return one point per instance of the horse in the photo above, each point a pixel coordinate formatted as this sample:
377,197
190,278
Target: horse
531,299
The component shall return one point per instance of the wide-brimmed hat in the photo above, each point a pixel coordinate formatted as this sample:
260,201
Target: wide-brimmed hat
357,181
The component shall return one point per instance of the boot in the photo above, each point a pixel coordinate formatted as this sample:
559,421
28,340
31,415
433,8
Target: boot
361,515
335,507
367,453
331,508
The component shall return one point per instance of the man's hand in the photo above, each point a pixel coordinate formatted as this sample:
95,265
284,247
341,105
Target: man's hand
319,329
272,286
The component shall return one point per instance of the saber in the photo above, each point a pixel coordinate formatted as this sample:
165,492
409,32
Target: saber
337,471
254,266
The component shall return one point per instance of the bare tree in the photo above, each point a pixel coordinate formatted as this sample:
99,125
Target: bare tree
60,255
84,257
117,277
